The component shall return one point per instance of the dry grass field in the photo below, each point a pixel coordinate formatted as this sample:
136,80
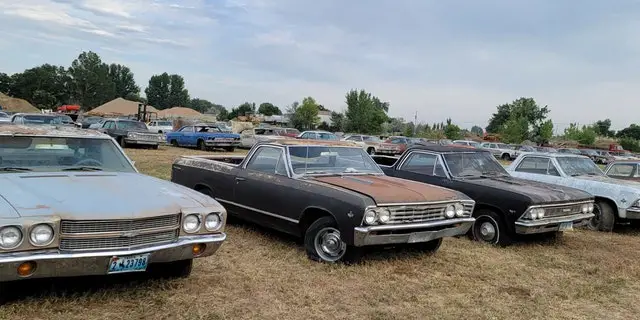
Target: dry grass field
259,274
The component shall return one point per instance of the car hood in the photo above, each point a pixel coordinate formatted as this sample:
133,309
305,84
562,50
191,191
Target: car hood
539,192
94,195
385,189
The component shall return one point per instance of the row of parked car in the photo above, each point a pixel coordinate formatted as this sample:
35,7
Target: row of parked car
333,194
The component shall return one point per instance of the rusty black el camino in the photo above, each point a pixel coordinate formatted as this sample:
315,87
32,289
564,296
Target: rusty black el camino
505,206
330,193
73,204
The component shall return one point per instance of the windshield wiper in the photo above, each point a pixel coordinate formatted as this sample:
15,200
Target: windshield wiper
82,168
18,169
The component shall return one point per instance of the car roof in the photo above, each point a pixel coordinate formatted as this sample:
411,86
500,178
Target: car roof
49,131
35,114
311,142
555,155
445,148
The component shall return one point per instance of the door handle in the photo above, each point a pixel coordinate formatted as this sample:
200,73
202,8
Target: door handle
240,179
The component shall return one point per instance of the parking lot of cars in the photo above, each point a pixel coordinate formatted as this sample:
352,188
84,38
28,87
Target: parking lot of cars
76,205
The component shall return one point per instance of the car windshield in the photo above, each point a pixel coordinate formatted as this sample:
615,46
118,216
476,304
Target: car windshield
52,154
66,119
579,166
208,129
131,125
473,164
3,115
42,119
371,138
321,160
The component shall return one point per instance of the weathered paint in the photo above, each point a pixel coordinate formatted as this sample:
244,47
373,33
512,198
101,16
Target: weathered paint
87,196
384,189
311,142
49,131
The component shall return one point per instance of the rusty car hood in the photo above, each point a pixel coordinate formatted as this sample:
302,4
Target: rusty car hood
94,195
538,192
385,189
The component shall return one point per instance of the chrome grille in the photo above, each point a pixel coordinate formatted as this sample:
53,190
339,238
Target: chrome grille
88,226
562,210
118,234
423,212
79,244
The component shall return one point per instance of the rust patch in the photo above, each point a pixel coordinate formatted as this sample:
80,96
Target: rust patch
385,189
48,131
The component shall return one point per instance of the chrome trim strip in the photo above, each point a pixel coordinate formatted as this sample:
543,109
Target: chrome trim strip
543,222
423,203
116,234
258,210
438,223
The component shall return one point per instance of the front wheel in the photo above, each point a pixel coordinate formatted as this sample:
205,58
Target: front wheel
371,151
123,143
175,269
323,243
604,218
174,143
201,145
489,228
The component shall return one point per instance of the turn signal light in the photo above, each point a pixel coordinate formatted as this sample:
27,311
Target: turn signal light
198,249
26,269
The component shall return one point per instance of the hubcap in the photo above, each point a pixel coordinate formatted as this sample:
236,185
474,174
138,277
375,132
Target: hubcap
328,244
487,231
595,221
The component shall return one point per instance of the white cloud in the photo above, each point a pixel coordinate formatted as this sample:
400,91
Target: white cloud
455,59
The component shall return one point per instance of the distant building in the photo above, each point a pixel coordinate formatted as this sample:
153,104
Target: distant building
325,116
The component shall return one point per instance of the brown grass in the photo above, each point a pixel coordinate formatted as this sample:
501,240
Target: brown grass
259,274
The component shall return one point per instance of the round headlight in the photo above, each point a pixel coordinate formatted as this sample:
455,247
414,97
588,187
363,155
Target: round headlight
191,223
41,235
459,209
212,222
591,207
370,217
384,215
585,208
540,213
10,237
450,211
533,214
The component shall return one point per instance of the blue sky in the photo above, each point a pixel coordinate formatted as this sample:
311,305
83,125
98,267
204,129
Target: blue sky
453,58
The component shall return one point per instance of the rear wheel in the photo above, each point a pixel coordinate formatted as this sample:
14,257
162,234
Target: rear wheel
174,143
371,151
490,228
323,243
604,217
201,145
506,157
175,269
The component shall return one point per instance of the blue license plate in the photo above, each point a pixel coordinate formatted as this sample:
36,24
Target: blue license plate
128,263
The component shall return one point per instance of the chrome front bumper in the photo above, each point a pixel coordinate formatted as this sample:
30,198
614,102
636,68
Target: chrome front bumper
143,142
213,143
51,263
551,224
410,232
632,213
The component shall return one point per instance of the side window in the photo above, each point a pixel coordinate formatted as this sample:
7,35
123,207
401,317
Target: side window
537,165
186,129
107,125
424,163
353,138
268,160
622,170
306,135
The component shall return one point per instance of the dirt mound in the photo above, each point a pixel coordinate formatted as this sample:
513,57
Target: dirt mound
16,105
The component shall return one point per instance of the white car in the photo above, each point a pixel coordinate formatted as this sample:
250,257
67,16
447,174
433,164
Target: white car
249,137
4,117
368,143
160,126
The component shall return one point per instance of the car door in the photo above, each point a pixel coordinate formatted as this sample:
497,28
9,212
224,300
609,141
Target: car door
186,135
109,127
263,188
423,166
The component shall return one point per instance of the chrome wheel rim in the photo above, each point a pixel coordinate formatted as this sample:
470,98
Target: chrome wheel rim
487,231
595,221
328,244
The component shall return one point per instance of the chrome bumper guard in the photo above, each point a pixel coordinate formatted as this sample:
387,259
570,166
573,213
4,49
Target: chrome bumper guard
52,264
432,230
551,224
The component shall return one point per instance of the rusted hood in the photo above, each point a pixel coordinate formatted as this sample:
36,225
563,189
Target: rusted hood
385,189
94,195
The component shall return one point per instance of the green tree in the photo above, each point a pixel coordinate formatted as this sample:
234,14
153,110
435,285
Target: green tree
511,119
307,113
91,84
545,133
515,130
477,130
123,81
585,135
452,131
203,106
408,129
365,112
167,91
268,109
338,122
223,115
45,86
244,109
630,144
5,83
632,131
603,128
294,116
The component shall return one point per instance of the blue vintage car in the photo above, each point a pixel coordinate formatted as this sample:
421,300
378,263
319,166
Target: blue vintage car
204,137
73,204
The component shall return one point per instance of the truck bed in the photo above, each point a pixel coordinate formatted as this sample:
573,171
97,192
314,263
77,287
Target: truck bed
212,161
